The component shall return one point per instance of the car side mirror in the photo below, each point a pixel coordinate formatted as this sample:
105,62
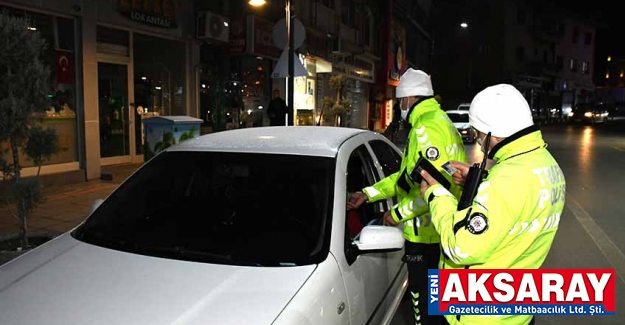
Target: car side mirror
380,238
95,205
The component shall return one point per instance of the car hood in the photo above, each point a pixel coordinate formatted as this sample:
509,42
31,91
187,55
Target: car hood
462,125
70,282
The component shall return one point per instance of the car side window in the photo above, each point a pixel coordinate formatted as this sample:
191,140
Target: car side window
360,174
388,158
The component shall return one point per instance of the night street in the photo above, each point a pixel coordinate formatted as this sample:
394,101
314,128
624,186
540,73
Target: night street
169,161
591,229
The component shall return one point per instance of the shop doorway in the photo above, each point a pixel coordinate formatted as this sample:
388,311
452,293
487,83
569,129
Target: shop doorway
114,114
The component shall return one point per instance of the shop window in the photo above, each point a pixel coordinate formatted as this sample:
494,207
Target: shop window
211,87
358,92
159,79
66,34
60,112
255,92
305,93
159,66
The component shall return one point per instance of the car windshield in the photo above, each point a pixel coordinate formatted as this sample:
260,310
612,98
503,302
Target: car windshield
226,208
459,118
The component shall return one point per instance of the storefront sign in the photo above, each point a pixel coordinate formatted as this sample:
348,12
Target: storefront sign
160,13
238,31
396,58
263,39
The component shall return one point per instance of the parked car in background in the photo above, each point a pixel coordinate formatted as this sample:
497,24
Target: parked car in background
247,226
460,118
616,112
589,113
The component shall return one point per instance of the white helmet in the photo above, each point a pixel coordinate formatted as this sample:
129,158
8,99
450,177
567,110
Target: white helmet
501,110
414,83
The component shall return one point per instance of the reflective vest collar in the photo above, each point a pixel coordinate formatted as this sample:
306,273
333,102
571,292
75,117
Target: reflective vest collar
524,141
425,104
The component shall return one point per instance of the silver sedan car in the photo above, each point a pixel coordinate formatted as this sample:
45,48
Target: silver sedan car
246,226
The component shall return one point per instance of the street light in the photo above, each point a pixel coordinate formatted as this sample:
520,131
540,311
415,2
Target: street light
257,3
289,35
463,25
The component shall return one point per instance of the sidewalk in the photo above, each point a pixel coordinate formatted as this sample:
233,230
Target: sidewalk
66,206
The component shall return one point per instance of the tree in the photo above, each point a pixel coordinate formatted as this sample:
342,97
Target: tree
342,105
328,103
24,84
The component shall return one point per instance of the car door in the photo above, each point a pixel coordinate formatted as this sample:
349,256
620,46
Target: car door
388,160
367,276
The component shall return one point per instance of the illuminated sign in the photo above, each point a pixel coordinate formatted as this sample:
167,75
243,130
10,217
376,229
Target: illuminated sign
160,13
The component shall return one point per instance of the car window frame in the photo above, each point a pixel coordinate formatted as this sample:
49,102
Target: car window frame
369,163
391,201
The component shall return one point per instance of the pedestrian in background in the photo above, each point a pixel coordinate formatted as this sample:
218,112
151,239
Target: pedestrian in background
277,110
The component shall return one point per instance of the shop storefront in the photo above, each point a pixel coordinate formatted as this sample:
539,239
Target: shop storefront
309,90
393,66
62,49
252,58
360,79
113,63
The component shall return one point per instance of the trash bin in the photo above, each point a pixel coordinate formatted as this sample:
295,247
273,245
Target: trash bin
161,132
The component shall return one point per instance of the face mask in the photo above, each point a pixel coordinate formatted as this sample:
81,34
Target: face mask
404,114
479,141
403,106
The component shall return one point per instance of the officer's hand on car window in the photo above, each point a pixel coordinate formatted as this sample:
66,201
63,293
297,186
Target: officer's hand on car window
462,169
355,200
388,219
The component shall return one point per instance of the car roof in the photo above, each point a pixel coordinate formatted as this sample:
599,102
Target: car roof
456,111
296,140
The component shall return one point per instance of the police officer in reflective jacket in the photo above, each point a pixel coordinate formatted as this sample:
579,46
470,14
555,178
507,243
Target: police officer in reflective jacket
434,138
513,219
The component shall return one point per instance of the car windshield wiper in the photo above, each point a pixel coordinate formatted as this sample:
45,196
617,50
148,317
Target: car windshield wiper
182,253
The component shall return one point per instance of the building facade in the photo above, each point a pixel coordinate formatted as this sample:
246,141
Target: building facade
546,52
113,63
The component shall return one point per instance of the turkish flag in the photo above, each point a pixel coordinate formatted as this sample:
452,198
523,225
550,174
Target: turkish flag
64,67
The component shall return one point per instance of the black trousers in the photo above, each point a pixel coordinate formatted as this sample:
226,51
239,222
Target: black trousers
419,258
